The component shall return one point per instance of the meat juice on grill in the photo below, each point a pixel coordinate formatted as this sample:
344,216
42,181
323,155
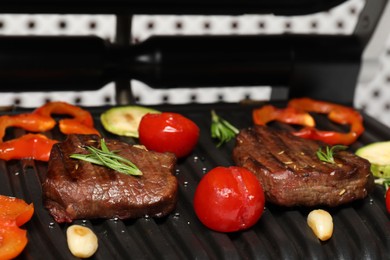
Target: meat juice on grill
292,175
75,189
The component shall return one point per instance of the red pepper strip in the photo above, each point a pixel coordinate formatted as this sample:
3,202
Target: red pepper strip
38,147
81,123
70,126
33,146
63,108
30,122
12,239
13,213
16,209
336,113
289,115
329,137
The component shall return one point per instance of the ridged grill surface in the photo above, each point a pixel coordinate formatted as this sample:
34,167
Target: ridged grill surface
361,229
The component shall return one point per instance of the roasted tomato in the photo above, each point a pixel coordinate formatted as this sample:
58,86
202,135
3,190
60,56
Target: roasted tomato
388,200
168,132
229,199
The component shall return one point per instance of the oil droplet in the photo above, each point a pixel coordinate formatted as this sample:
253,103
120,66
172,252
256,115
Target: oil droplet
204,169
185,183
196,158
16,173
51,225
115,219
177,171
147,217
371,201
176,215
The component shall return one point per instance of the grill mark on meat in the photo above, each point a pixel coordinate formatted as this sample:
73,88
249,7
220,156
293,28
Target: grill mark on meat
303,156
284,153
291,173
75,189
268,160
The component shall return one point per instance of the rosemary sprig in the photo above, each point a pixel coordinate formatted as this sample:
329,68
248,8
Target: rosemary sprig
221,129
108,158
328,154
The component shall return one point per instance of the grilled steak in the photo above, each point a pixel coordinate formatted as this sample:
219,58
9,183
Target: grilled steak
292,175
75,189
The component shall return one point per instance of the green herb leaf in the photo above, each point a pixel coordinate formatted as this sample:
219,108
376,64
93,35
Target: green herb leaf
328,154
221,129
108,158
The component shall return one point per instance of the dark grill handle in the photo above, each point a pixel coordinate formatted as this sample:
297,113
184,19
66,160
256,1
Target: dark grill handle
312,65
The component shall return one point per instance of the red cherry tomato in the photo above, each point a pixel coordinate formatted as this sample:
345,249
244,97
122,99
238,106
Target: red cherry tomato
168,132
388,200
229,199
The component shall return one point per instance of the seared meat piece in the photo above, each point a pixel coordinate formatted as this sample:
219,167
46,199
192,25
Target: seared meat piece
292,175
75,189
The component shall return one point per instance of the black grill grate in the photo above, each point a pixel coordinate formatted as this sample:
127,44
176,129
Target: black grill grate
361,229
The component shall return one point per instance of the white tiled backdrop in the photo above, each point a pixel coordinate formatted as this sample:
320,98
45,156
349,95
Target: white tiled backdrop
373,96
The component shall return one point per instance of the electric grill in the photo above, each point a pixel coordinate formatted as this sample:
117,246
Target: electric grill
320,66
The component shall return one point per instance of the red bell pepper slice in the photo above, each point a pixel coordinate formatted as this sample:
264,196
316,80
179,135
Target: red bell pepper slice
336,113
70,126
14,212
12,240
81,123
63,108
33,146
28,121
289,115
15,209
297,112
37,146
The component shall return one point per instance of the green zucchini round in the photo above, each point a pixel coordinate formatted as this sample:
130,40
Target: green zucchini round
378,154
124,120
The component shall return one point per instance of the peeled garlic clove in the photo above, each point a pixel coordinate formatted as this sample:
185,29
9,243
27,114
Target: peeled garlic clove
82,242
321,222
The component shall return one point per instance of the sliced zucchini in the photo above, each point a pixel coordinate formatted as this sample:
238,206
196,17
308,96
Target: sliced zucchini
124,120
378,154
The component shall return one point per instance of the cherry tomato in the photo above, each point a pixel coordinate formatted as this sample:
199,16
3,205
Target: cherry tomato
168,132
388,200
229,199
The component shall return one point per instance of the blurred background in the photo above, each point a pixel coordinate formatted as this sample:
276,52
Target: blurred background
372,96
